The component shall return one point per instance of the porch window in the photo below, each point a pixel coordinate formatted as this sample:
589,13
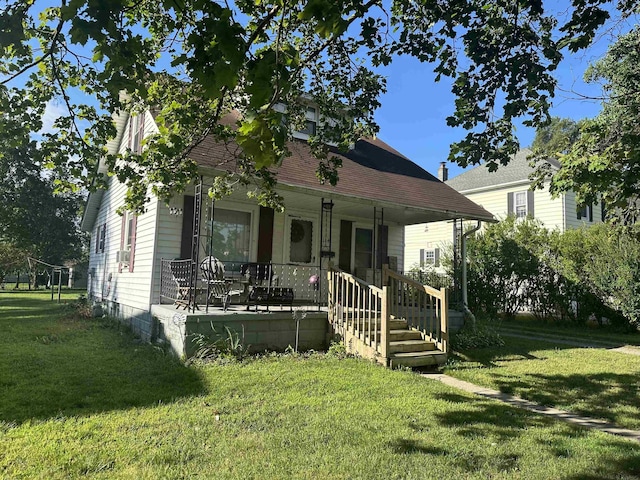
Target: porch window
301,241
231,236
363,248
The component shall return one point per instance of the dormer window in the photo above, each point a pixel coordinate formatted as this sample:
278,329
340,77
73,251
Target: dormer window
312,120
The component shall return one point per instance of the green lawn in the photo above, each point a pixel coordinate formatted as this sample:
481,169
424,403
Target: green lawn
80,398
529,325
589,381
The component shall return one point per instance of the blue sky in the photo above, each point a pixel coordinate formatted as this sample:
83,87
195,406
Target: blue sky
413,114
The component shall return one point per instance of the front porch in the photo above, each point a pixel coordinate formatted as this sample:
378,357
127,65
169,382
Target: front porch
401,323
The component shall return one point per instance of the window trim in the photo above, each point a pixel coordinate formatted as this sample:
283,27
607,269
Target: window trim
128,231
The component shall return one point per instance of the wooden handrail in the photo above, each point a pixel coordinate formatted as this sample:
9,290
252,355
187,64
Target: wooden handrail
355,279
430,290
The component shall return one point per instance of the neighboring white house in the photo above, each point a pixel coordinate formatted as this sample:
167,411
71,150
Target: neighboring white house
379,192
503,192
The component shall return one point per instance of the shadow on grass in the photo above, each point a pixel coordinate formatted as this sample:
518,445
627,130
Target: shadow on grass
609,396
58,366
514,350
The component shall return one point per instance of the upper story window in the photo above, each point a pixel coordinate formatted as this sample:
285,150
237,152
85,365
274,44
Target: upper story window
520,203
136,132
311,116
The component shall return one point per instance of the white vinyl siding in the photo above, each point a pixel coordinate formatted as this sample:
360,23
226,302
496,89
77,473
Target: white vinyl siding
130,289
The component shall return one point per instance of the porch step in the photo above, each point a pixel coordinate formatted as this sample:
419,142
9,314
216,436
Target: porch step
417,359
403,334
398,324
406,346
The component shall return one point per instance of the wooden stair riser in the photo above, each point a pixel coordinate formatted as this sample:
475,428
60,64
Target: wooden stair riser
423,359
411,346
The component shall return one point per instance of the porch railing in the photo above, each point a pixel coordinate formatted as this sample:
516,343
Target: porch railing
423,307
308,283
363,312
359,309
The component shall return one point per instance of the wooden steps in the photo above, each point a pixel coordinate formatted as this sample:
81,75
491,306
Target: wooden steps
417,359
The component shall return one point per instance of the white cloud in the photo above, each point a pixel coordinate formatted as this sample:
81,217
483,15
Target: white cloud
52,112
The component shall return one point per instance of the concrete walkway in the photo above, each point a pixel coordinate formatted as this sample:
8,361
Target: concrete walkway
613,347
586,422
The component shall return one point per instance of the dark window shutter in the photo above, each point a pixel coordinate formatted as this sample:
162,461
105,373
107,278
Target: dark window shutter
510,203
578,212
187,227
344,261
603,211
591,212
132,253
98,230
530,212
265,235
421,257
436,257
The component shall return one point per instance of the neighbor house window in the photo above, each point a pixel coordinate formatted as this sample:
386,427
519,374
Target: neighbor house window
585,212
229,237
430,256
127,241
520,203
301,241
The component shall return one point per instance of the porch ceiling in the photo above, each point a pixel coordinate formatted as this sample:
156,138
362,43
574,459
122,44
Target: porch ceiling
309,199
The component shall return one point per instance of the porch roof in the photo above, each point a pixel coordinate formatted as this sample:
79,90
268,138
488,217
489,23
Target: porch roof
372,173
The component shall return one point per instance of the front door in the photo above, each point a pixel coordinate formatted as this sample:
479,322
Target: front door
301,239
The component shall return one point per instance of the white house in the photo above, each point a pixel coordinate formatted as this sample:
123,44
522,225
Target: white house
503,192
358,225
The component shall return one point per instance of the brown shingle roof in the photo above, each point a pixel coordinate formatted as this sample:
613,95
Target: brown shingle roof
372,170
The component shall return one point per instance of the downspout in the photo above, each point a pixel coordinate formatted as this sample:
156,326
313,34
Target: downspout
463,254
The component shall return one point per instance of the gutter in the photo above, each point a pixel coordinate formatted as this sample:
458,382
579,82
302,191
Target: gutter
463,254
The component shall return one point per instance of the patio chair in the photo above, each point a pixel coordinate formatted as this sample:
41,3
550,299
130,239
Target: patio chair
180,277
219,287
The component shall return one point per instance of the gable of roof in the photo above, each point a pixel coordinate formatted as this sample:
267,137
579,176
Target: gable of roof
518,170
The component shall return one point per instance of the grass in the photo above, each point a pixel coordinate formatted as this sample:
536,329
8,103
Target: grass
589,381
609,334
81,398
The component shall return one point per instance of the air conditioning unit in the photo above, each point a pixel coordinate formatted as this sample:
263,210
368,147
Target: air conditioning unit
123,256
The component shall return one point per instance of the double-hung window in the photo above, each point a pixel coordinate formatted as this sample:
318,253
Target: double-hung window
127,241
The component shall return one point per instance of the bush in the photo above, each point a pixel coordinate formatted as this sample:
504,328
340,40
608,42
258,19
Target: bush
517,265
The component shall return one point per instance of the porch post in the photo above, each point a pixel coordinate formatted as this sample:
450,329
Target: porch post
384,326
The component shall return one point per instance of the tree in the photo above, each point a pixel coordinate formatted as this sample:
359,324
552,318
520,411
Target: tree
555,138
604,161
194,61
35,219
